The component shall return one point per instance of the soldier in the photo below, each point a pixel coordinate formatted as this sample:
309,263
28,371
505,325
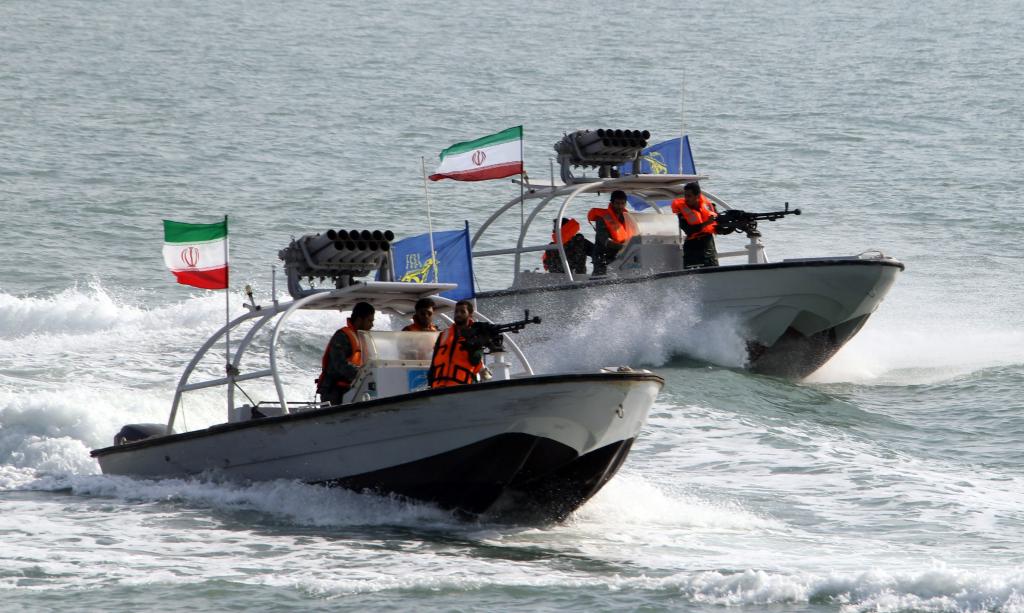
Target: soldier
423,318
577,248
697,217
611,231
343,355
456,361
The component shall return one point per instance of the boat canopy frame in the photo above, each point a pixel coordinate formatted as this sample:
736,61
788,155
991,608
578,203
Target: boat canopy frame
390,297
650,188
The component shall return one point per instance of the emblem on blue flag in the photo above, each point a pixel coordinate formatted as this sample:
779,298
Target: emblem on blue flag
662,159
452,261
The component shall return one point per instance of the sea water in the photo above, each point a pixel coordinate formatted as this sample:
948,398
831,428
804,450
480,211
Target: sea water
890,480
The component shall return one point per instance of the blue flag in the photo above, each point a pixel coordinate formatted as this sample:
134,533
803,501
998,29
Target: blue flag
453,264
661,159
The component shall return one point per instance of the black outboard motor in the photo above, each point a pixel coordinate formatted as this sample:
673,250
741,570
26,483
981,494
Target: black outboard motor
136,432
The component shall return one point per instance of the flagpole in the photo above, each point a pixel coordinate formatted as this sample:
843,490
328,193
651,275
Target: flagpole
522,181
227,304
227,316
682,120
430,223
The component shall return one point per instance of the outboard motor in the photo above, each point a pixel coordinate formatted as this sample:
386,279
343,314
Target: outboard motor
136,432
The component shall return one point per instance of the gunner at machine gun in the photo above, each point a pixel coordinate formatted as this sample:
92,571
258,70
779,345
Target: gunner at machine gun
700,221
459,350
697,219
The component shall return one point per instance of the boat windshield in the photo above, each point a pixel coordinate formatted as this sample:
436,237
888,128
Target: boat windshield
394,347
654,224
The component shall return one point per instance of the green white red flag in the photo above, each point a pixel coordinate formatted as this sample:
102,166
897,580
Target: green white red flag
491,157
197,253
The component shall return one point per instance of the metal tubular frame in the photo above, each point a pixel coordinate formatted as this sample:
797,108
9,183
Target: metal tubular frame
754,250
184,386
266,315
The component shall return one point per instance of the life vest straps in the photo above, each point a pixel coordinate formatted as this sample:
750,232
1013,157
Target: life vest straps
451,365
456,375
617,230
696,216
569,230
356,359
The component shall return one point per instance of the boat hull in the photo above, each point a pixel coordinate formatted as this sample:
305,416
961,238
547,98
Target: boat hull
536,447
793,315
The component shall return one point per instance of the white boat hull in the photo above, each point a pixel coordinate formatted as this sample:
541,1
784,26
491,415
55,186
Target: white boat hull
793,315
542,444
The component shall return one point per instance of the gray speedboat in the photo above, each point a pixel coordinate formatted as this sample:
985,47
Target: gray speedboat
520,444
794,314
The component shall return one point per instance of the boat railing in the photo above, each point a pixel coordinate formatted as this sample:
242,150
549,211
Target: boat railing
388,297
651,188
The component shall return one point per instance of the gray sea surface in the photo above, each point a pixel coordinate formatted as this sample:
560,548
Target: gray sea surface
891,480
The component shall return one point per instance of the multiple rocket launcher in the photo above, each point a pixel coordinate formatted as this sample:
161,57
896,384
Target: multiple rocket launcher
348,246
604,149
590,148
338,255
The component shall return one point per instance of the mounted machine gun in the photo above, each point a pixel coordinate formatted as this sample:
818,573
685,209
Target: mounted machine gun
735,220
490,336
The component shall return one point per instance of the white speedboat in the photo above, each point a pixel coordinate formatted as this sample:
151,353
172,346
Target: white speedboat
793,314
519,444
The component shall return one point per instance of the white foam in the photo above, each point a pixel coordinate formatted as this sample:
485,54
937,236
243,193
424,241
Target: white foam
71,311
648,328
936,589
631,500
939,588
159,543
923,352
298,503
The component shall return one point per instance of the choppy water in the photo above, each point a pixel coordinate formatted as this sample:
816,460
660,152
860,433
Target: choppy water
892,480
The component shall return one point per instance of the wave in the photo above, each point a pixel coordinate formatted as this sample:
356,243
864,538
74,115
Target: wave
940,588
632,500
618,329
630,520
921,354
292,501
72,311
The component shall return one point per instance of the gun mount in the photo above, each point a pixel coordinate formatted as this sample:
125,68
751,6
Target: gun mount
338,256
490,336
602,149
735,220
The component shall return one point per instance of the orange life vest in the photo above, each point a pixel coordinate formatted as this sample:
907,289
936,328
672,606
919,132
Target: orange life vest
617,230
451,365
415,327
696,216
356,359
569,230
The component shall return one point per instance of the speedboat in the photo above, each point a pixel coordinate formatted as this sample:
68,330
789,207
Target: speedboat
519,445
793,314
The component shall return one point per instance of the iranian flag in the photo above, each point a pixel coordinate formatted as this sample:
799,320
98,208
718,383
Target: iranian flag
491,157
197,253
